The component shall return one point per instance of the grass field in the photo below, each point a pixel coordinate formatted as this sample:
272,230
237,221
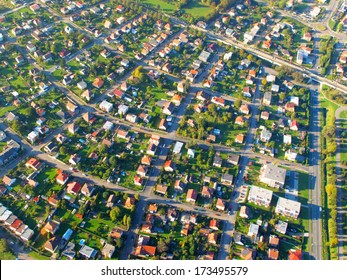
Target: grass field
343,114
194,7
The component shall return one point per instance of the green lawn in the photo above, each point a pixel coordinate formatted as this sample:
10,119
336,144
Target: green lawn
343,114
38,256
194,7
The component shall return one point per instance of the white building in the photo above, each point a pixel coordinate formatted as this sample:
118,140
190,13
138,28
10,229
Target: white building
260,196
272,175
287,207
106,106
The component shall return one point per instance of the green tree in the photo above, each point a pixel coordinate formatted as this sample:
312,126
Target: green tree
115,213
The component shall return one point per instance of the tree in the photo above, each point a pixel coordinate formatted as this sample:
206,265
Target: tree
162,246
237,103
263,81
282,95
128,222
62,63
5,252
63,150
115,213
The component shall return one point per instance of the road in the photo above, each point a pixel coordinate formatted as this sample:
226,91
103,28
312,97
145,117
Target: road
315,248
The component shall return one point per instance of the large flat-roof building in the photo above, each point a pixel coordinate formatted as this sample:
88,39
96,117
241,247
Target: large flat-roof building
272,175
287,207
260,196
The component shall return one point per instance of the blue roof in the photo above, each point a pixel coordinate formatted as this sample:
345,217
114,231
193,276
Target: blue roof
67,234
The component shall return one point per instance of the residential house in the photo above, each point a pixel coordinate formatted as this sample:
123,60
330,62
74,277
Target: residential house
191,196
162,189
244,212
73,188
108,250
227,179
51,227
220,204
62,177
169,166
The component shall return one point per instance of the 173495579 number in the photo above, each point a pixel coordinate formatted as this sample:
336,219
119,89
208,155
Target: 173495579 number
221,270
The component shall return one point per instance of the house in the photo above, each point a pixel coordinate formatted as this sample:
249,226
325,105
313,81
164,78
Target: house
287,139
153,208
274,241
267,98
204,56
240,138
162,189
239,120
294,125
233,159
125,86
33,163
52,244
61,138
179,185
152,148
118,93
307,36
191,196
260,196
176,99
74,159
131,118
247,254
206,192
169,166
51,227
138,181
108,250
9,151
212,238
73,188
217,160
272,175
202,96
73,128
87,189
116,233
145,251
244,212
218,101
50,147
271,78
190,153
220,204
181,86
168,108
265,135
290,107
247,92
295,255
33,137
265,115
130,202
281,227
110,201
87,252
288,208
253,230
62,178
122,109
98,82
273,254
142,170
227,179
88,95
106,106
146,160
275,88
88,118
244,109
